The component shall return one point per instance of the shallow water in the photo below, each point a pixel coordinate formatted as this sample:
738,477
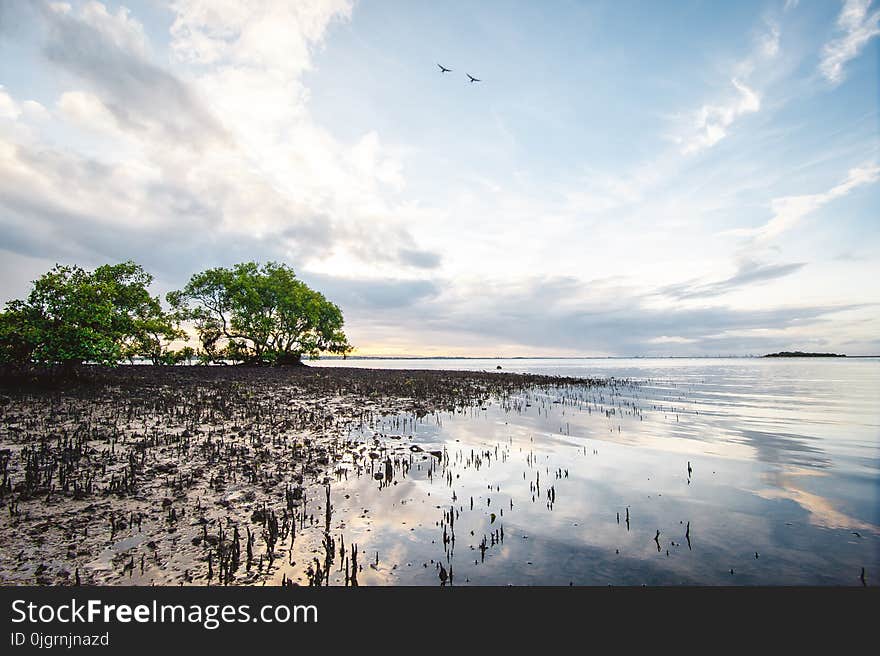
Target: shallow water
783,487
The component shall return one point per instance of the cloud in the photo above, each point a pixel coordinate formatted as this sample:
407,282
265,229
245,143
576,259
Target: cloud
361,298
88,112
72,208
261,34
418,258
567,315
109,52
247,60
856,27
214,161
789,210
13,15
769,42
712,122
12,110
8,107
748,273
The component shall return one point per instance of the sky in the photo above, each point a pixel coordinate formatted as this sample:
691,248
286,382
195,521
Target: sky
627,178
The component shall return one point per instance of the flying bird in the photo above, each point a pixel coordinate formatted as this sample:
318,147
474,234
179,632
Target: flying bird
473,79
443,69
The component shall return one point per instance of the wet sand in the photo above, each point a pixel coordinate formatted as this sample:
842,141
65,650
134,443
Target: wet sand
219,475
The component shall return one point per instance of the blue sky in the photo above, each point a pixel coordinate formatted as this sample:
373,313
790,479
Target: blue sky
628,178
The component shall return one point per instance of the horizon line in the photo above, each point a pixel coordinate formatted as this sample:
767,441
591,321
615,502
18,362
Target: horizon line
561,357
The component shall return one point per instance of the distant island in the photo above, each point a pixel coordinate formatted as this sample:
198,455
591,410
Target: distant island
802,354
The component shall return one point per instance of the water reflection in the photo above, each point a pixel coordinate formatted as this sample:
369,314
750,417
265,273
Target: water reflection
726,475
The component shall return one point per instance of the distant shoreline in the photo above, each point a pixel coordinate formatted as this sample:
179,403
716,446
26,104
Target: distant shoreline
586,357
802,354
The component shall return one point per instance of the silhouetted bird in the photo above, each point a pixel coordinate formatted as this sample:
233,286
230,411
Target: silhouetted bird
473,79
444,70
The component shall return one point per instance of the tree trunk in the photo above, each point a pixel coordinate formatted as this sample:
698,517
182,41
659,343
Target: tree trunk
289,360
69,369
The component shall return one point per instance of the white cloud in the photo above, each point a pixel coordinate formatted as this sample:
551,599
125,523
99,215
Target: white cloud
223,145
249,59
263,34
34,110
857,27
712,122
9,109
670,339
12,110
789,210
107,55
87,110
120,28
769,42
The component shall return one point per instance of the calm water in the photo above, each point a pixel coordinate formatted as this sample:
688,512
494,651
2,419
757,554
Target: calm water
783,488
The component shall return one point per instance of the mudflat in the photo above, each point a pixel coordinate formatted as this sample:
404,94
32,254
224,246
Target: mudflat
203,475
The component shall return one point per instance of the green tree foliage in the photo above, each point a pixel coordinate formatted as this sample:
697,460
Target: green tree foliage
260,314
18,332
72,316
